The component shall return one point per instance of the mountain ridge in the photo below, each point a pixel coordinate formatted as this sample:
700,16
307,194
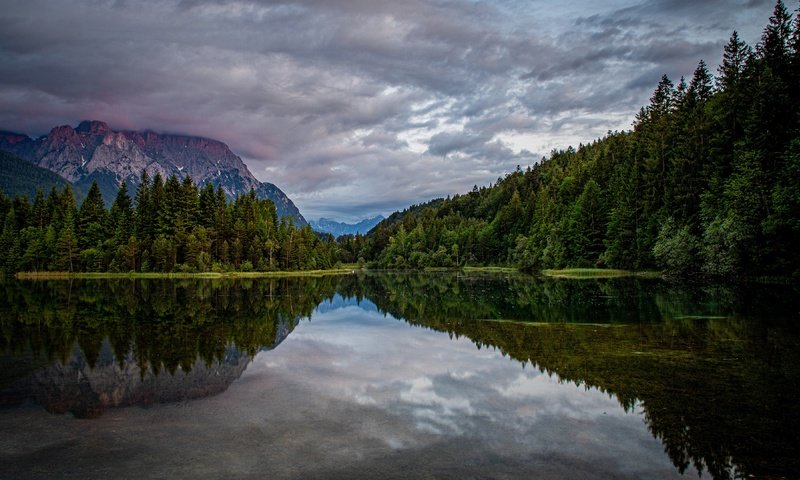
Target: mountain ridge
326,225
93,151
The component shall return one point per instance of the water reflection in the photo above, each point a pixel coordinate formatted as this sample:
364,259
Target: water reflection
439,405
716,370
712,370
85,346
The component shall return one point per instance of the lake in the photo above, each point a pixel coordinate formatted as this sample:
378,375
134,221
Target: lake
375,375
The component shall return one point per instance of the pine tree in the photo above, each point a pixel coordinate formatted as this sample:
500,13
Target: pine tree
122,225
794,44
794,77
34,256
10,243
772,117
587,227
189,204
121,216
144,212
22,209
169,211
690,159
55,214
68,205
700,87
92,223
207,205
776,41
729,109
734,60
41,214
157,203
67,245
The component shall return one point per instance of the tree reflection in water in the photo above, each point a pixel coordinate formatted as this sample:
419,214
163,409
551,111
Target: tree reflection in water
715,370
84,346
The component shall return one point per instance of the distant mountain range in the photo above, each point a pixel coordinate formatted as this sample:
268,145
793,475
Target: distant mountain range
337,229
94,152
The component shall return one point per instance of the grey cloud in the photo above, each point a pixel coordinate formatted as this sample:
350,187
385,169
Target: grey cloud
383,139
447,142
342,102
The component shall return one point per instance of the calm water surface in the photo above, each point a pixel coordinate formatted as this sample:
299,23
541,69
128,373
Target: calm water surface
398,376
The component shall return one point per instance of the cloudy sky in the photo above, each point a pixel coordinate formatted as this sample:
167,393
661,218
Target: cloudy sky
358,107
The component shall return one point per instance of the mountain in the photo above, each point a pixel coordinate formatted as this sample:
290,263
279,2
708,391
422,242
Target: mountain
18,177
87,388
92,151
337,229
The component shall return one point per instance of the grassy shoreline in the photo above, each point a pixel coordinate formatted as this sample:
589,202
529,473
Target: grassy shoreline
491,270
589,273
573,273
177,275
566,273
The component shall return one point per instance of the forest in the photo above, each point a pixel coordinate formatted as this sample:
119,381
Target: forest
705,183
170,226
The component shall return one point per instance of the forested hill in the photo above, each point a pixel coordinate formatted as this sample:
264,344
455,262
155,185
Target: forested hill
19,177
707,181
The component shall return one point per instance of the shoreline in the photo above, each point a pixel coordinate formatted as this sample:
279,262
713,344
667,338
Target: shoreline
598,273
178,275
566,274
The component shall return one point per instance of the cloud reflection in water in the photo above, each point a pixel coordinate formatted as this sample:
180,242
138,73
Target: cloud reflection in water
432,389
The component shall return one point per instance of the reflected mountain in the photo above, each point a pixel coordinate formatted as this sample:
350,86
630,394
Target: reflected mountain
87,392
85,346
715,370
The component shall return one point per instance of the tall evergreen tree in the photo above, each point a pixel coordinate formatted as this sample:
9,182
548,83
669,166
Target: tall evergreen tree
189,203
92,223
689,161
776,41
41,215
169,213
734,61
10,243
144,211
121,216
157,203
67,245
207,205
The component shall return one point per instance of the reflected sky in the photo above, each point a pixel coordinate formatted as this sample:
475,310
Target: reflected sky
435,389
353,393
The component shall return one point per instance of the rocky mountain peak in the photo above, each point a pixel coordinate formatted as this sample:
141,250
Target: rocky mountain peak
93,127
94,152
61,134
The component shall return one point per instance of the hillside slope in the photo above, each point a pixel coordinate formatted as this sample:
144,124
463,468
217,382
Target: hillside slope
19,177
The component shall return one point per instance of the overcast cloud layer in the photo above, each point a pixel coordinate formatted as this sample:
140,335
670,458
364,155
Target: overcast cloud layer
358,107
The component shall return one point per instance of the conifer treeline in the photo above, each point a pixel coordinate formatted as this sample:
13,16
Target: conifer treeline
171,226
707,181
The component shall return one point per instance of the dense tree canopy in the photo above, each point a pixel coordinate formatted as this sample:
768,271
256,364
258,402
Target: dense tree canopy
171,226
